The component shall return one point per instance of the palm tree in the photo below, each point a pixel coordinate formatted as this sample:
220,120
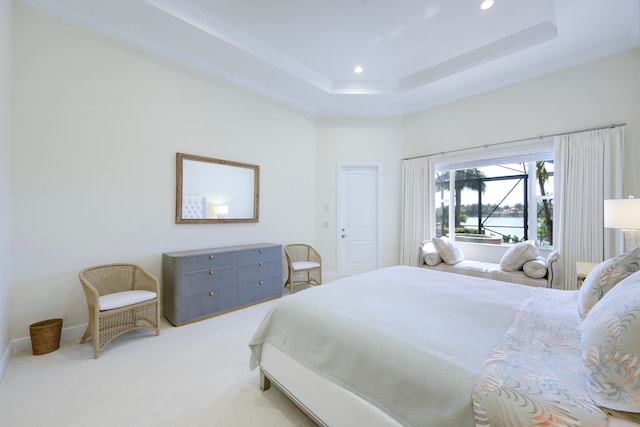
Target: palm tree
465,179
543,176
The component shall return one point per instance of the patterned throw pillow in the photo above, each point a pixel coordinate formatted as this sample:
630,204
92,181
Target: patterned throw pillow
517,255
603,277
536,268
611,347
448,250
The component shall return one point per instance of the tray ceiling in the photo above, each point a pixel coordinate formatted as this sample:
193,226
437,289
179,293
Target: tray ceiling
415,54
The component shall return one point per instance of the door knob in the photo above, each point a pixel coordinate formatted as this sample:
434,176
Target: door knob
344,235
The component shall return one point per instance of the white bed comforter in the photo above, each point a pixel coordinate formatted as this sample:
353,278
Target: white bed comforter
410,341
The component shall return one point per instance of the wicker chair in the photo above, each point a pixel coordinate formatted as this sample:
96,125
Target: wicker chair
120,298
304,265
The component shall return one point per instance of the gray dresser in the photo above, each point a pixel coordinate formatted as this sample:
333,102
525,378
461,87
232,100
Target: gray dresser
201,283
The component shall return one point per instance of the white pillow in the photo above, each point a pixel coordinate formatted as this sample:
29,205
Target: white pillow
517,255
536,268
431,256
611,347
604,277
448,250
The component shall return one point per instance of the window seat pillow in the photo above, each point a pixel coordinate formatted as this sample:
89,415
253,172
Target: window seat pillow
536,268
517,255
430,254
448,250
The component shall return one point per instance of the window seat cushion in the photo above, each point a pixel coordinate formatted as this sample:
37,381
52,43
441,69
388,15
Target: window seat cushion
493,271
489,270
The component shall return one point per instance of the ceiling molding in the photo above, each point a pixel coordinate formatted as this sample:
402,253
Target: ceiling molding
216,28
581,31
529,37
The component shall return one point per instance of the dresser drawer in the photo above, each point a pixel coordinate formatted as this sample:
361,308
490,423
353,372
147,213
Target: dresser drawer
260,270
259,254
201,305
208,261
209,280
254,292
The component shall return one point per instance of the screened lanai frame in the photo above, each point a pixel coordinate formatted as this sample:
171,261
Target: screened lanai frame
535,224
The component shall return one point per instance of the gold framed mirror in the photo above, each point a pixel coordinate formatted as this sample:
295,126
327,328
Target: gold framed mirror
210,191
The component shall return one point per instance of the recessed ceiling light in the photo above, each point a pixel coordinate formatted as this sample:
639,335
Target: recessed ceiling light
486,4
358,69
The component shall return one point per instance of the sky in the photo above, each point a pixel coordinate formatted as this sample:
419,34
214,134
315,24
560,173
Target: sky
497,190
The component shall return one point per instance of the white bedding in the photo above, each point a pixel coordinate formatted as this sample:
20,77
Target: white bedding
409,341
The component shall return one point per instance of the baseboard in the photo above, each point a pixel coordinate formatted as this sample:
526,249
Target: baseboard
20,344
4,361
329,276
24,345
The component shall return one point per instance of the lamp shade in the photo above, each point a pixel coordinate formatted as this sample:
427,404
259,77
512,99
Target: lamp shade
221,209
622,213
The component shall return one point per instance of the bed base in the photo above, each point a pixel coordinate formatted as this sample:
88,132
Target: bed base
265,384
323,401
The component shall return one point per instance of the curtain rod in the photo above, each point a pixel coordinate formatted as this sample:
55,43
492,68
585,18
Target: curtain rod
611,126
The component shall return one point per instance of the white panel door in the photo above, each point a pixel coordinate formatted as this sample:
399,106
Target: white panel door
357,218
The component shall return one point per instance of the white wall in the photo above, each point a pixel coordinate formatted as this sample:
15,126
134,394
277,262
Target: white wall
594,94
5,179
96,126
359,140
96,129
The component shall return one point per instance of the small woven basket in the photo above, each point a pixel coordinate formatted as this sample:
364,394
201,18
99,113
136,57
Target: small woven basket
45,336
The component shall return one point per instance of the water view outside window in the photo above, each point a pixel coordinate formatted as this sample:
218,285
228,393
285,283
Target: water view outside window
504,203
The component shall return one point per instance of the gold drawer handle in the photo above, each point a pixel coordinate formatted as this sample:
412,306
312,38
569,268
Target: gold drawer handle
261,263
211,293
260,250
210,256
261,282
210,271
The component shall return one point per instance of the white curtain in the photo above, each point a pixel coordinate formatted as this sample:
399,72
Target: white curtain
588,169
418,218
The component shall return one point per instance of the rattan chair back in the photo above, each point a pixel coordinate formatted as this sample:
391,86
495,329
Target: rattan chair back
302,253
105,325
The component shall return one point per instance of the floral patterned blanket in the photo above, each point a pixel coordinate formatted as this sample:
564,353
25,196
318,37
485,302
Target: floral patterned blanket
536,376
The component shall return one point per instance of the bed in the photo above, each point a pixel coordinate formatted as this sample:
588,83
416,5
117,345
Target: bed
405,346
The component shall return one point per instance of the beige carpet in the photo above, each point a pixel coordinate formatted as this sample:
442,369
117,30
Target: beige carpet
193,375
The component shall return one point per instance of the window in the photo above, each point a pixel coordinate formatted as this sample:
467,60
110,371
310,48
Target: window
501,200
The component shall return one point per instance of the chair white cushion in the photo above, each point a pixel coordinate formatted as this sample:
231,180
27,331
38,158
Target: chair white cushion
304,265
121,299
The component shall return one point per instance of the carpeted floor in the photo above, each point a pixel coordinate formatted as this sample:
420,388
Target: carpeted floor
193,375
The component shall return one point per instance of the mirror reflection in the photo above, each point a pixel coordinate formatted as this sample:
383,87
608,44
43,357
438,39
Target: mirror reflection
210,190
